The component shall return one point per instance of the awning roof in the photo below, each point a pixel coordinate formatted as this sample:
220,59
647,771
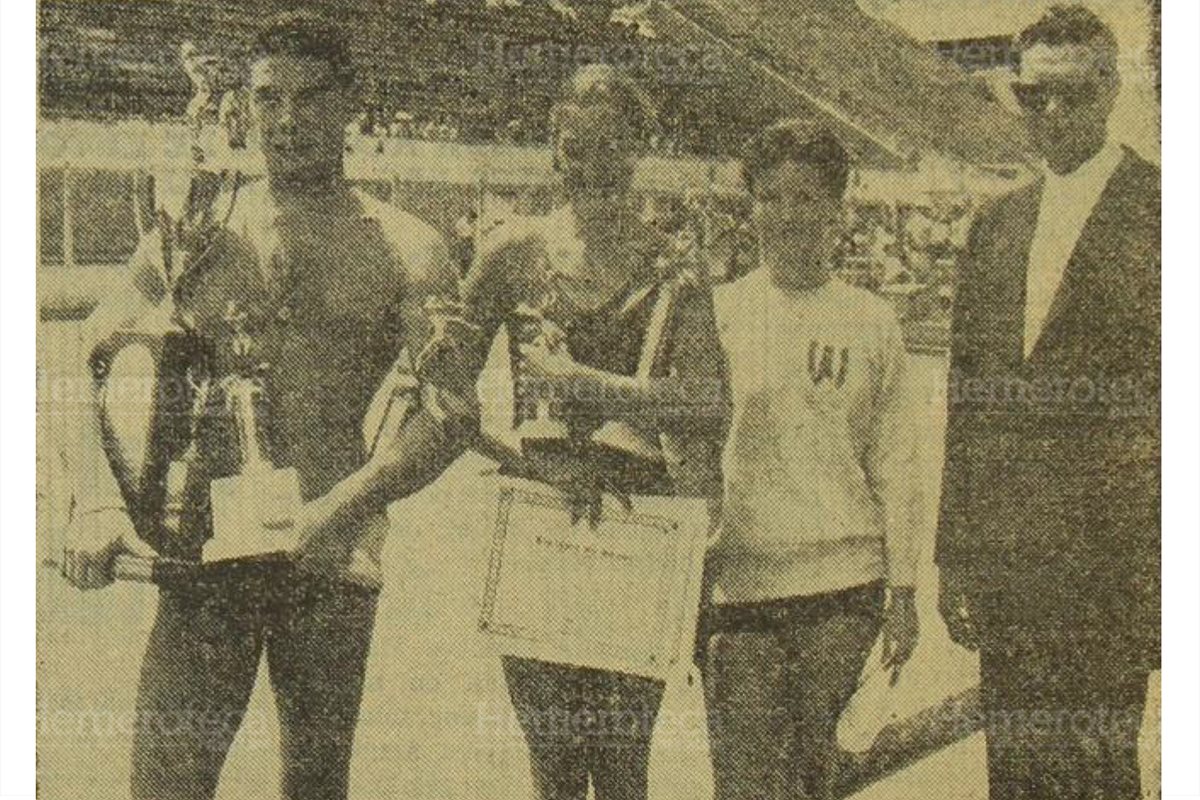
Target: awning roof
891,97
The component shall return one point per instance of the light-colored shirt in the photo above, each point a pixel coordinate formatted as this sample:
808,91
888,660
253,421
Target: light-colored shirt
821,481
1067,203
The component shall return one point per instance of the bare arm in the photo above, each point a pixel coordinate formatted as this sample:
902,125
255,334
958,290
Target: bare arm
691,398
433,417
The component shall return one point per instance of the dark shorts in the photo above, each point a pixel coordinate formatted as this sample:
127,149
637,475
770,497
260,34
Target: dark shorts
200,667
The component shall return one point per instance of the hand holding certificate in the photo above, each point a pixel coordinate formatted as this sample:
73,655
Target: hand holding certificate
621,595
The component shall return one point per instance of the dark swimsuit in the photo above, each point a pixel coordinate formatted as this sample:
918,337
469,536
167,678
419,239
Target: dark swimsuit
609,338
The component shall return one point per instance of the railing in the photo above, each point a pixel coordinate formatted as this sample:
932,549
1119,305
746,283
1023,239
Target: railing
106,171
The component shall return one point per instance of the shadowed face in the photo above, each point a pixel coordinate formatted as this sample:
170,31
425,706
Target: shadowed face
301,112
1067,93
798,217
593,152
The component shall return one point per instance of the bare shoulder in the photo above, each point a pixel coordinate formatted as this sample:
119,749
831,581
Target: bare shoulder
421,252
509,250
514,236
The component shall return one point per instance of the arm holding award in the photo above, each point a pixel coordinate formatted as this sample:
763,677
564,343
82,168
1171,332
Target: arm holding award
298,305
427,418
615,507
618,410
130,502
594,566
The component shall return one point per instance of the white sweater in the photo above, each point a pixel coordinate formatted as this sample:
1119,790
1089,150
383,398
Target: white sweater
821,490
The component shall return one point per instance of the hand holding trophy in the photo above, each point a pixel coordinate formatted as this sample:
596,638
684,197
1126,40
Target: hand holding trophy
626,448
253,512
447,360
538,406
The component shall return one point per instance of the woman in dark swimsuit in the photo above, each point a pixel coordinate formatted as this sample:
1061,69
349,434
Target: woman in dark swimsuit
595,272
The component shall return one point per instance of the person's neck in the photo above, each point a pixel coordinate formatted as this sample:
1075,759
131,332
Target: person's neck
602,224
797,273
320,180
606,268
1078,160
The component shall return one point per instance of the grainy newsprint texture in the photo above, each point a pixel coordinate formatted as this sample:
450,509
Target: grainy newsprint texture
456,399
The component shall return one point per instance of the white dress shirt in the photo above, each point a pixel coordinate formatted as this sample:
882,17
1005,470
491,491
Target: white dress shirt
1067,203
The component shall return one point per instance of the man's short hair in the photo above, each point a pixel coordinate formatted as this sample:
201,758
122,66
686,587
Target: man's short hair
799,142
306,35
1070,25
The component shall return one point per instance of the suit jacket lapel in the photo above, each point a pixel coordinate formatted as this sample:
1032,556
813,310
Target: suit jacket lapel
1007,295
1061,328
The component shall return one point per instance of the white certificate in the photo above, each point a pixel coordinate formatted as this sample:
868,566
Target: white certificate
621,596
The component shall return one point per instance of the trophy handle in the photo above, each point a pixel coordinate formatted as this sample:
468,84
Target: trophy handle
654,346
140,440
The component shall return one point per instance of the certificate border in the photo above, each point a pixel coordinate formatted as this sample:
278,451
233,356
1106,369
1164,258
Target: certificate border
658,660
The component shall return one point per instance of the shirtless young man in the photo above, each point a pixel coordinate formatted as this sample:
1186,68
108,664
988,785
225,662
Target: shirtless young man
329,284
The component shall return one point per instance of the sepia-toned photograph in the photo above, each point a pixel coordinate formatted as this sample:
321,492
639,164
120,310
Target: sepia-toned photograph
567,399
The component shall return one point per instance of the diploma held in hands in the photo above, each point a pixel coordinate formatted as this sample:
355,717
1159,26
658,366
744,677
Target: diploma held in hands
620,596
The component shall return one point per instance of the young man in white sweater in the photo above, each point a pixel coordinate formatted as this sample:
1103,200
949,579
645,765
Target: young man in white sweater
816,554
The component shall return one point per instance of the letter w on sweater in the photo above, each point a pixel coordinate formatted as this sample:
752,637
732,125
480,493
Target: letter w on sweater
821,486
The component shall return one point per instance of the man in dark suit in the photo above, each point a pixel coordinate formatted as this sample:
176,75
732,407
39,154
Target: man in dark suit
1048,538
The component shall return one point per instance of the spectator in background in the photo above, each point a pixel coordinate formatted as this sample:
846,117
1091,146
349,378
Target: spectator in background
402,125
939,231
959,225
234,116
462,249
887,255
514,132
203,71
881,242
363,124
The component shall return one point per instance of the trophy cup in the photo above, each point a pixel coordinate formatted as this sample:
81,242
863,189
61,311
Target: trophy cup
447,360
149,436
253,512
440,380
537,416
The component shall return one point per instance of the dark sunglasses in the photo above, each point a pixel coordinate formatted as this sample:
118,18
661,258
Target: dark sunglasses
1035,98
